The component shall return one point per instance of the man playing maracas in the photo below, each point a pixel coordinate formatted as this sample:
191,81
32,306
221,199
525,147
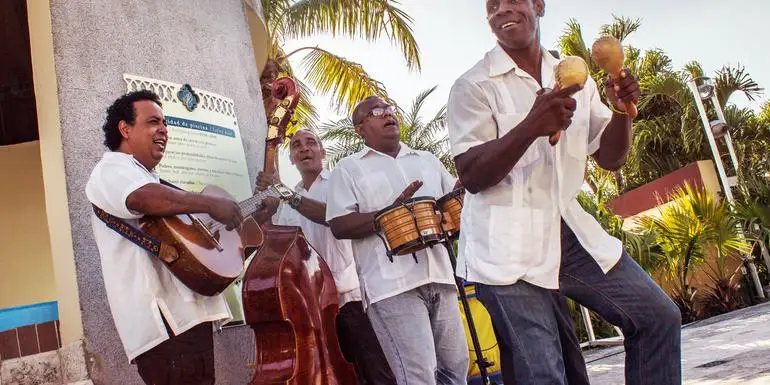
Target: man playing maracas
524,233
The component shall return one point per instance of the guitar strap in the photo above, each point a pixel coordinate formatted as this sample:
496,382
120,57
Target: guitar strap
162,250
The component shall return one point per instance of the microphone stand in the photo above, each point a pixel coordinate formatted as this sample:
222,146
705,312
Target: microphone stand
481,361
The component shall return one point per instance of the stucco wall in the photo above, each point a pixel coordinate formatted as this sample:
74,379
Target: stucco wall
203,43
26,252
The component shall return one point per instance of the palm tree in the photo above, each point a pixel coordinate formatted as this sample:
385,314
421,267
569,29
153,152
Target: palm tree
344,80
694,226
667,133
418,134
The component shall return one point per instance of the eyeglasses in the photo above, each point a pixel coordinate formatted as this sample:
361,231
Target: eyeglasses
380,111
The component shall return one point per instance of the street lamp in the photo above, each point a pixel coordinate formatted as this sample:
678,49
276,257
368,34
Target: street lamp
718,128
703,88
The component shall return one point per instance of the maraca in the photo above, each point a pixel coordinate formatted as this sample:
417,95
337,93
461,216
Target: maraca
608,54
572,70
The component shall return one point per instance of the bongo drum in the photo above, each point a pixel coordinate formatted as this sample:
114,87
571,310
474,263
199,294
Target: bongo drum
410,226
451,206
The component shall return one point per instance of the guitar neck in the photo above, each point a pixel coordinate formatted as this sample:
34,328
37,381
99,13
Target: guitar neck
251,205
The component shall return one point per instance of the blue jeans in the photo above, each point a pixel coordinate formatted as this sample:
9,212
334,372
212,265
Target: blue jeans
572,355
422,335
626,296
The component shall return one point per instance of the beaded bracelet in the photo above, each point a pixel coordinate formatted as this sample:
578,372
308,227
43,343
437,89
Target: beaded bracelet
613,109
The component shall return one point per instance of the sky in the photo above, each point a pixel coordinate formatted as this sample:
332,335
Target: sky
453,35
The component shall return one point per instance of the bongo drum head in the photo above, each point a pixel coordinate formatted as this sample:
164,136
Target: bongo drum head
457,193
411,225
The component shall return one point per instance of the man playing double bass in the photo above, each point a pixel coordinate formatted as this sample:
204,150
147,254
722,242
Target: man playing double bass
165,328
524,232
411,302
357,340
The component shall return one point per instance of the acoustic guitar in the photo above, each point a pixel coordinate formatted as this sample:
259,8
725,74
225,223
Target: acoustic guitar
200,251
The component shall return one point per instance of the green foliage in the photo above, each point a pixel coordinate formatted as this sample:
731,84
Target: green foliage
668,133
344,80
692,226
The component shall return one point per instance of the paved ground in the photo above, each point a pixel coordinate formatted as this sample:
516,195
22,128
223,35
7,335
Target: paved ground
732,348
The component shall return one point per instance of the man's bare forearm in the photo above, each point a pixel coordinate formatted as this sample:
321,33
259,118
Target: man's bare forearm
159,200
313,210
485,165
615,143
353,226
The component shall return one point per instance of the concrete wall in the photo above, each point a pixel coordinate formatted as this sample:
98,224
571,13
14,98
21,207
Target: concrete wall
25,255
204,43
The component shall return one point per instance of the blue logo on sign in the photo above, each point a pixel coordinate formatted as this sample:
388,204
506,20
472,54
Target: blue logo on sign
188,97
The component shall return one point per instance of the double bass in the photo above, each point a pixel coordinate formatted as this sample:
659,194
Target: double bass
288,293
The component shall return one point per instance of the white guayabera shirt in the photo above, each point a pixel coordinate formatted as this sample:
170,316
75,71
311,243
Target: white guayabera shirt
369,181
337,253
139,287
511,231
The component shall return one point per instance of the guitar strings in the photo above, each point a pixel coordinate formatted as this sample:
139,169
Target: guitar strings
249,206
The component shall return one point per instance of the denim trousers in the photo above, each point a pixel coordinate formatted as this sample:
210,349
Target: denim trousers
571,352
422,335
360,346
524,317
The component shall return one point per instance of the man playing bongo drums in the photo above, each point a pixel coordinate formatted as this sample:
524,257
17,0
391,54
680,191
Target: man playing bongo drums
411,301
524,233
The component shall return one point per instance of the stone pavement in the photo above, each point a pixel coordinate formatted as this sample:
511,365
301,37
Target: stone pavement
731,348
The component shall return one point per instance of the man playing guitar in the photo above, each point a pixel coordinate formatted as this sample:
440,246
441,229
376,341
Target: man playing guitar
411,301
165,328
357,340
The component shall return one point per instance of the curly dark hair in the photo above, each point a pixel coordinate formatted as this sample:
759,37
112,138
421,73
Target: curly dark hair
123,109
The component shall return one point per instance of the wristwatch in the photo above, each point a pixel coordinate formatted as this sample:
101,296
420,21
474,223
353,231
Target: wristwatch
295,200
288,195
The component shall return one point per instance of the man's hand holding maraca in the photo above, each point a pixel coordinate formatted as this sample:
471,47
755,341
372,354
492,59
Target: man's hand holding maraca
552,111
625,90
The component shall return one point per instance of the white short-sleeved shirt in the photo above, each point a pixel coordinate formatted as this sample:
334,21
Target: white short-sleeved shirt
369,181
139,287
511,231
337,253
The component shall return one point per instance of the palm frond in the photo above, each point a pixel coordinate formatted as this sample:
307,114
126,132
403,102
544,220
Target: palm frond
735,79
345,81
645,250
633,60
663,94
437,124
654,62
273,12
571,43
412,117
764,114
341,140
305,115
693,69
366,19
621,27
694,222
